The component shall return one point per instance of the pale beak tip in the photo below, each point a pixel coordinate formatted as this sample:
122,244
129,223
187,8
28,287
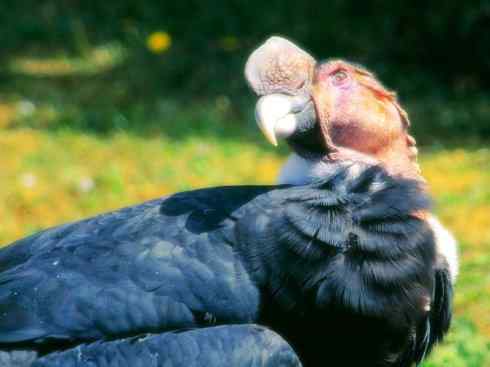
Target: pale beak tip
269,110
269,134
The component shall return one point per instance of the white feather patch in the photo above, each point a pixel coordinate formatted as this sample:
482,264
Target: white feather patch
301,171
446,246
296,171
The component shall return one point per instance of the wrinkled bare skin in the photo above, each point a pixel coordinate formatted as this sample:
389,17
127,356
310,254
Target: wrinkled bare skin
360,119
279,66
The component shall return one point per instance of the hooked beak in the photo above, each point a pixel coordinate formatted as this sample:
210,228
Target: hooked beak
280,115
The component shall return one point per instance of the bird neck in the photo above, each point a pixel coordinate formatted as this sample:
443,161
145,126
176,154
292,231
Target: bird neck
300,169
400,159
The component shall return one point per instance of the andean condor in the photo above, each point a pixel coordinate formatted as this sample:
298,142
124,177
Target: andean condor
338,114
340,271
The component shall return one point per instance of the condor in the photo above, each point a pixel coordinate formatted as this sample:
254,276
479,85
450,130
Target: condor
339,271
336,114
343,269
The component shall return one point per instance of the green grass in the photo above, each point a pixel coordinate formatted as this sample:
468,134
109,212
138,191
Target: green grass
73,146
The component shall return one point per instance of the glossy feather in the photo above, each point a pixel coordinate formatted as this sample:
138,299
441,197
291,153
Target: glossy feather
336,266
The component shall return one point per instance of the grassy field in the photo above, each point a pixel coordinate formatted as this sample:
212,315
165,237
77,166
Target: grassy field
59,163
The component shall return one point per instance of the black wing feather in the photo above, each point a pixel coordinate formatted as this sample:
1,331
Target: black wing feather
147,268
245,345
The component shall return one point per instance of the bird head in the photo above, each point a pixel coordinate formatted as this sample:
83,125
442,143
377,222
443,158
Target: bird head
334,109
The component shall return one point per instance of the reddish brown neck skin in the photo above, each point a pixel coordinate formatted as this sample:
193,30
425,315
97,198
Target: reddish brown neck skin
396,158
360,123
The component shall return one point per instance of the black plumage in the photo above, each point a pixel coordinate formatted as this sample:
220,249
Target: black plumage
220,346
341,268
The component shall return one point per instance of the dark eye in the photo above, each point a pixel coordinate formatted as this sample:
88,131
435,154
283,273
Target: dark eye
339,77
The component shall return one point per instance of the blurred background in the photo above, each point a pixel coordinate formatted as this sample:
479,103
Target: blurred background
107,103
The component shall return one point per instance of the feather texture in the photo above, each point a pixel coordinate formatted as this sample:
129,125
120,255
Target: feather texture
338,265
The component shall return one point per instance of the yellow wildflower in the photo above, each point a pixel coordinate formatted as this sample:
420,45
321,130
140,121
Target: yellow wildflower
229,43
158,42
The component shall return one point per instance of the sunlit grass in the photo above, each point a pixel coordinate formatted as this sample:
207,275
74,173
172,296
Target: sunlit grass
83,175
460,183
96,60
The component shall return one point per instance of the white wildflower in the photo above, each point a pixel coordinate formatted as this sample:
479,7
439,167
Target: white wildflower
28,180
86,184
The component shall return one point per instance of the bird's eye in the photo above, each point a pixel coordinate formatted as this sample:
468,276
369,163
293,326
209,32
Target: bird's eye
339,77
